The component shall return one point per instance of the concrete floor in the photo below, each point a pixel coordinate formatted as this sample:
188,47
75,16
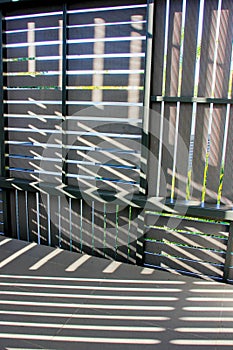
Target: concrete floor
53,299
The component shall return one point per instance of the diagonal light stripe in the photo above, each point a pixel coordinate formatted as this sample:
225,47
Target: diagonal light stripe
112,280
43,261
147,271
74,266
17,254
6,240
112,267
90,287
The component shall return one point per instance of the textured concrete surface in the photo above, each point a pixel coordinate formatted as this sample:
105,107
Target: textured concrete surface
53,299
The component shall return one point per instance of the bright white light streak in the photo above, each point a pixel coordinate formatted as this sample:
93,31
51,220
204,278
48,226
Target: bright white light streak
40,131
202,342
79,339
112,267
209,300
208,308
87,306
26,44
46,14
207,319
73,41
16,254
84,296
204,330
218,291
137,22
81,57
101,288
14,31
26,349
41,104
32,115
31,47
6,240
103,9
106,280
44,260
75,265
60,50
83,327
147,271
163,94
206,283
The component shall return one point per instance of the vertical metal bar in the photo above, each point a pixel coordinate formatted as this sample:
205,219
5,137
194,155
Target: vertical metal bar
195,95
228,267
211,105
146,97
93,227
48,220
81,225
163,94
105,228
70,223
117,227
182,33
140,240
27,216
38,215
17,214
59,221
222,170
129,227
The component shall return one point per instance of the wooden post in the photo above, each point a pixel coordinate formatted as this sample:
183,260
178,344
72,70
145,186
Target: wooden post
228,268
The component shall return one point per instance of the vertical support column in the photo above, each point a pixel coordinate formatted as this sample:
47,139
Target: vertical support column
228,268
31,49
146,98
140,240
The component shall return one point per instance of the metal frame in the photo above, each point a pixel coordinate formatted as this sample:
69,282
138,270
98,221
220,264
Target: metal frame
228,268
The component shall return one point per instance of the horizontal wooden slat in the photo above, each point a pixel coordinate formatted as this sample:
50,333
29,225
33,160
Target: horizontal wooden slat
189,239
182,266
184,252
183,223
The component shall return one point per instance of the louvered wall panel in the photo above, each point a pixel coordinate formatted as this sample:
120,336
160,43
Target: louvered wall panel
189,245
